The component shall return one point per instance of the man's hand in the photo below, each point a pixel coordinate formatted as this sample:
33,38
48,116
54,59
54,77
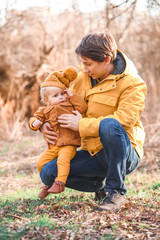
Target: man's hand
70,120
48,134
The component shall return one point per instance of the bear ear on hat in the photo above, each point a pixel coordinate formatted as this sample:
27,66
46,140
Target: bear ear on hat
59,74
70,73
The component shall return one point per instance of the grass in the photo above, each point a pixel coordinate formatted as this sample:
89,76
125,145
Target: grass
138,184
36,214
42,222
73,211
11,146
6,235
3,172
72,214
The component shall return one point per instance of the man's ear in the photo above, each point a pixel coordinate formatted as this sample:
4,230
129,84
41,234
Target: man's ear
108,60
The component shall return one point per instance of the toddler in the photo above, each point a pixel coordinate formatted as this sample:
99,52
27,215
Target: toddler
58,100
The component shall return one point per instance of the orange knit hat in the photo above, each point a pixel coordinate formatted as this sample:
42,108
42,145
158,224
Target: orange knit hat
60,78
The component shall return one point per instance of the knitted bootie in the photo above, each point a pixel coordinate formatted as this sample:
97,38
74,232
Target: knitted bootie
57,187
44,192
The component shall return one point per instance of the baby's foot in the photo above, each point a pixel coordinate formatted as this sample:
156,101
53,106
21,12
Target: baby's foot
57,187
44,192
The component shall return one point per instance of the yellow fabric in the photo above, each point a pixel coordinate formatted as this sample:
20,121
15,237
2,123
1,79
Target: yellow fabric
60,78
31,121
64,154
118,96
50,114
52,81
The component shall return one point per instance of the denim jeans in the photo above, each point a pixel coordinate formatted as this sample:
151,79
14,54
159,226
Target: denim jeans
107,168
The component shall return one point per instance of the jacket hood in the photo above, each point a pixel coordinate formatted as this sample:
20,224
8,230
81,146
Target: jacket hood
122,64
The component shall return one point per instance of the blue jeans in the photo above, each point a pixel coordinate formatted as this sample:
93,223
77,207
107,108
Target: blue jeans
107,168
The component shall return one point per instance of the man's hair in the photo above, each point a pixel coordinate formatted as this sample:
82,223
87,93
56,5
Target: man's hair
98,46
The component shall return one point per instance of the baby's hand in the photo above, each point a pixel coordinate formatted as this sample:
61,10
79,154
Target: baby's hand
37,123
69,94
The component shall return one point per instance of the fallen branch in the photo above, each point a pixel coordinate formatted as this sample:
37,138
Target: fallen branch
15,216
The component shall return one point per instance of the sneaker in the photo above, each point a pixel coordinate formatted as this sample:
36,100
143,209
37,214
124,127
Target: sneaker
113,201
57,187
44,192
100,195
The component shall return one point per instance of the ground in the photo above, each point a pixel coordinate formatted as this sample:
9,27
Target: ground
72,214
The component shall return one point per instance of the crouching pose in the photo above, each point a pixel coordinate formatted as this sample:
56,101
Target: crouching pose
112,134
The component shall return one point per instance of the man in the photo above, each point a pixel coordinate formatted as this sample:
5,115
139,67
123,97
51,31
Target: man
112,134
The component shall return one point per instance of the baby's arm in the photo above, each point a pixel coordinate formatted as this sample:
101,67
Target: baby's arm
34,123
79,104
69,94
37,123
37,120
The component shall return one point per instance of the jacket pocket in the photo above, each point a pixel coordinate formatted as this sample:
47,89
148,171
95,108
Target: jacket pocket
107,100
101,105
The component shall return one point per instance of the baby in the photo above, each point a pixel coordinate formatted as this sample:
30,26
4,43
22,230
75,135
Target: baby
59,100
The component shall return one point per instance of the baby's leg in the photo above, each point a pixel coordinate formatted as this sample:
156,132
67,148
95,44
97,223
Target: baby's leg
65,155
47,156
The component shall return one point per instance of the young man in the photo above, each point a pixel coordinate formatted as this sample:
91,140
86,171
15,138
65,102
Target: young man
111,132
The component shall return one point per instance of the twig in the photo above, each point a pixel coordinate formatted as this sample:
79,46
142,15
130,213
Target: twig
15,216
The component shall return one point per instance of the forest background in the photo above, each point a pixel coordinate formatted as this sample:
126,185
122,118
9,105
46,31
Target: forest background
37,40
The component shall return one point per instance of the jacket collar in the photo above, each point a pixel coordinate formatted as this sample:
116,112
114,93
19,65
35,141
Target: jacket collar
48,109
129,65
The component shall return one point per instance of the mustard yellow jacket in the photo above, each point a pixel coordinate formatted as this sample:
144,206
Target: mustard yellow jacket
120,96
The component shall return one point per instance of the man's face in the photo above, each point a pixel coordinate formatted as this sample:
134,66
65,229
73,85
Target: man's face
96,70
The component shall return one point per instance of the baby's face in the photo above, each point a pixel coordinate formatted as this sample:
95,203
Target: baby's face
54,96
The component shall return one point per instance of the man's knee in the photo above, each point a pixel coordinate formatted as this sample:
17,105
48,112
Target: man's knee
50,169
108,127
